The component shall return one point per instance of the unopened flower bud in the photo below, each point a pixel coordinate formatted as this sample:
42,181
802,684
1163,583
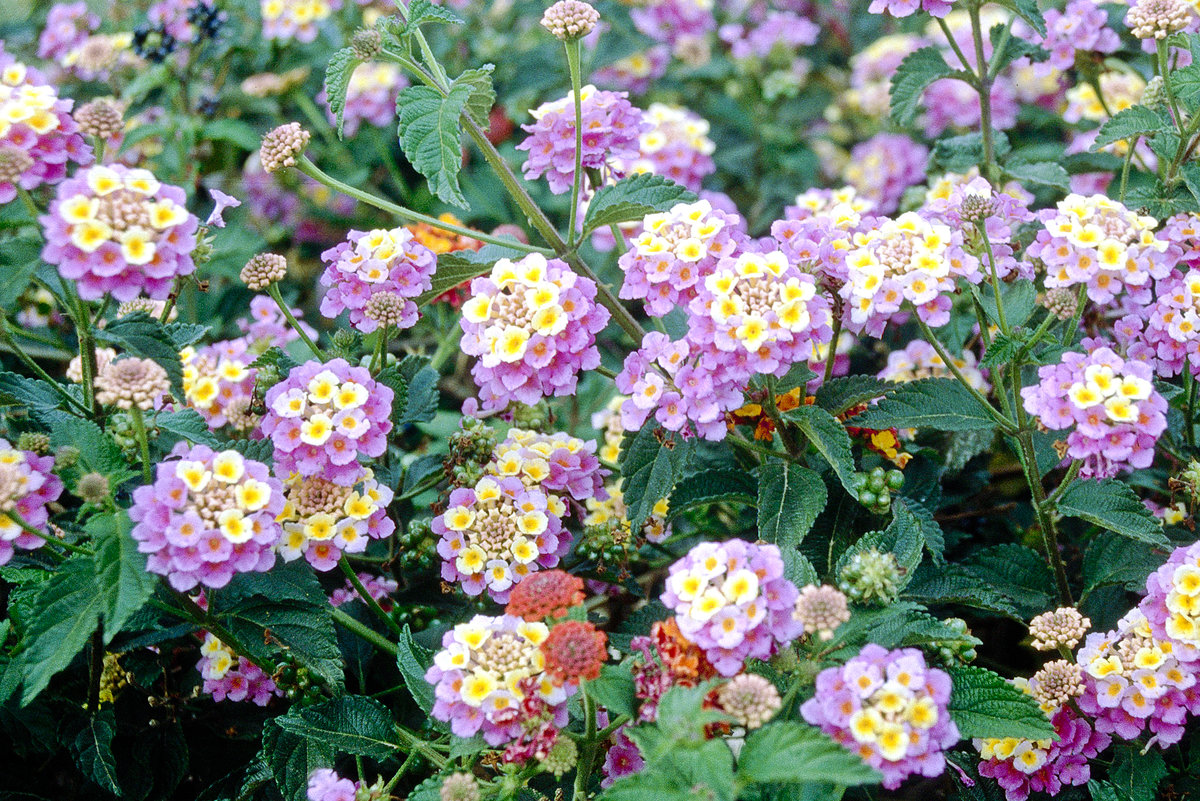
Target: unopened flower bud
13,162
263,270
366,44
34,441
281,146
1157,19
103,118
93,488
570,19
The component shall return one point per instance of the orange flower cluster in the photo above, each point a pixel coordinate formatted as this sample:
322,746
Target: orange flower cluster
439,242
574,650
753,413
546,593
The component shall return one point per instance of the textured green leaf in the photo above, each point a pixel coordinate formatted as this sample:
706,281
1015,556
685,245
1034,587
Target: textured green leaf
93,752
839,395
98,452
790,497
614,689
1113,559
1130,123
1135,775
431,136
352,724
788,752
1186,82
1004,349
983,704
829,437
1028,10
341,67
413,661
908,515
292,759
1113,505
68,610
918,69
966,445
414,383
633,198
1020,573
652,460
139,334
955,584
961,153
461,266
420,12
121,577
185,424
19,257
35,395
483,96
712,486
942,404
1046,173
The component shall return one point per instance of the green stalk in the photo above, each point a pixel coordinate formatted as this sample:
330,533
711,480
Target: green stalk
15,516
990,168
573,52
1003,422
583,767
27,360
833,343
304,165
191,611
139,432
273,291
412,742
366,597
363,632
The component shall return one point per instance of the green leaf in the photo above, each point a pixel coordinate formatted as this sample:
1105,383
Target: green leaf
1047,173
903,625
19,257
961,153
830,439
652,460
918,69
942,404
1020,301
1185,81
414,383
138,334
788,752
1112,504
1136,775
1020,573
68,610
460,266
912,520
34,394
431,136
839,395
122,580
183,424
704,771
413,661
955,584
1027,10
633,198
234,131
983,704
483,96
1112,559
790,497
1004,349
98,452
1103,791
292,759
352,724
93,752
1130,123
614,690
712,486
420,12
337,80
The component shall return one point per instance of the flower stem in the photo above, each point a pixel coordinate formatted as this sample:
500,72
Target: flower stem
366,597
27,360
273,291
139,432
573,52
190,610
363,632
1005,424
990,168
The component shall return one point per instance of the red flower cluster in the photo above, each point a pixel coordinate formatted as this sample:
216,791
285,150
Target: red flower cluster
546,593
574,650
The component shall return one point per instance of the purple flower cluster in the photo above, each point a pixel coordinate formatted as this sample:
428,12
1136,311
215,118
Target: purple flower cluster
637,72
786,30
295,19
229,677
963,201
557,462
321,518
38,137
480,676
676,146
499,531
1022,767
207,516
951,104
27,485
1111,402
67,26
1098,242
218,382
882,167
890,709
818,232
324,416
532,324
370,97
374,263
326,785
378,587
674,253
1172,602
119,231
731,599
674,21
904,8
611,129
1081,27
1133,681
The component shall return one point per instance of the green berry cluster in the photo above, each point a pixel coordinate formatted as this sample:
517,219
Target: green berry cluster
959,651
471,448
418,547
871,577
536,417
298,683
608,545
876,487
416,616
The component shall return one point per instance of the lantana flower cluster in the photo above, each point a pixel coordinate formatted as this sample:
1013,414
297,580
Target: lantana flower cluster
375,263
1100,243
38,137
612,128
485,670
1022,767
906,259
229,677
918,360
731,599
207,516
1166,333
1133,681
1172,602
1111,403
323,518
27,485
557,462
888,707
120,231
295,19
218,382
676,250
532,324
324,416
676,146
